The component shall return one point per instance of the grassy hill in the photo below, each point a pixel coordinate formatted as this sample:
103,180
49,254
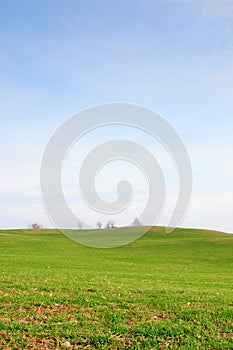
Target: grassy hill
163,291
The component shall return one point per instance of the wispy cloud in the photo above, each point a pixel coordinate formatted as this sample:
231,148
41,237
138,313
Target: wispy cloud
213,8
218,8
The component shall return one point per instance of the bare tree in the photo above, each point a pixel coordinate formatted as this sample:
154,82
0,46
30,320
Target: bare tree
110,224
36,226
99,224
80,225
137,222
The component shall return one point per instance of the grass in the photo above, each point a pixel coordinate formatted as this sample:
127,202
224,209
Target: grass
163,291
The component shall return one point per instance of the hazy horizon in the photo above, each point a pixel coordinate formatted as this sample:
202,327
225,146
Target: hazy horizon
172,56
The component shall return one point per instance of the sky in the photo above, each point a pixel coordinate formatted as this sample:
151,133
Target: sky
172,56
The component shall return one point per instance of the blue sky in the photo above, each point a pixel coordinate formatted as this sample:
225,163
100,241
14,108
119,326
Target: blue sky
174,56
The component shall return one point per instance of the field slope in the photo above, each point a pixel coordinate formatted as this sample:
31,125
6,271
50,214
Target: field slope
163,291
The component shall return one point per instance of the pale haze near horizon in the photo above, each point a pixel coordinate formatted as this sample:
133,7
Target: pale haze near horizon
175,57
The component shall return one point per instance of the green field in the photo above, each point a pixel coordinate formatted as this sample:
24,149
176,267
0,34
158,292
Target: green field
163,291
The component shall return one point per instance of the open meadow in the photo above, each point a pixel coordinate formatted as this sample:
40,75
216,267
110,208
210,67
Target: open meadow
163,291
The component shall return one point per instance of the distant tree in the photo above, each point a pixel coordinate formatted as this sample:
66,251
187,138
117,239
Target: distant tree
110,224
137,222
36,226
80,225
99,224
